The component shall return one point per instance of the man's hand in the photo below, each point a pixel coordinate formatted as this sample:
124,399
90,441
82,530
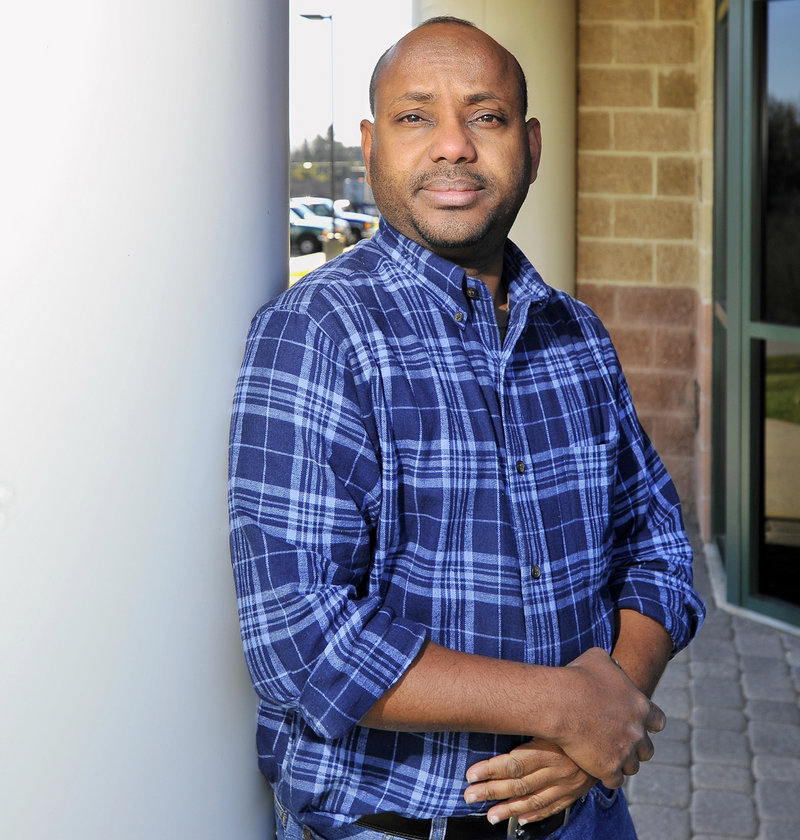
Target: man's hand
606,719
535,780
589,708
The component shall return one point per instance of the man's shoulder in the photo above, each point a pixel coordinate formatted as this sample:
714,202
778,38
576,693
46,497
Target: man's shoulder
569,308
338,300
346,280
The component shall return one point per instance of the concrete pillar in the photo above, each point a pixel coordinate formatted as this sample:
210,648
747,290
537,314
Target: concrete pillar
142,221
542,35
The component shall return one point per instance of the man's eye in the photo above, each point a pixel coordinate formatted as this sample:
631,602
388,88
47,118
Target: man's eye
410,118
489,119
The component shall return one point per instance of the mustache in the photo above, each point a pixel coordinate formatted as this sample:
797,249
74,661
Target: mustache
461,174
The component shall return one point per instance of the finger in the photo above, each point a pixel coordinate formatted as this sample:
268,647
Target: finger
613,781
645,750
537,805
499,767
656,719
500,789
557,805
631,767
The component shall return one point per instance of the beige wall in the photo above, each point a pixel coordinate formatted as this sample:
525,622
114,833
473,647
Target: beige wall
541,34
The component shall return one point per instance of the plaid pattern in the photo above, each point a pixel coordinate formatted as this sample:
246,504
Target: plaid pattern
397,476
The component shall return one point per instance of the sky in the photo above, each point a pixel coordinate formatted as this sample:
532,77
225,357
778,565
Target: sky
783,57
362,31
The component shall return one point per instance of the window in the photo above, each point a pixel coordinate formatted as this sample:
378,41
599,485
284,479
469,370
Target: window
756,511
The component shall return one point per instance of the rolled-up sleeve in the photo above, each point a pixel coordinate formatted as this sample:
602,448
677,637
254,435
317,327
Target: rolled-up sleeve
652,556
304,496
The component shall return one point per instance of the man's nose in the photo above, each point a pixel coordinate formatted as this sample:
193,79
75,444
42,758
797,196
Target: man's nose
452,142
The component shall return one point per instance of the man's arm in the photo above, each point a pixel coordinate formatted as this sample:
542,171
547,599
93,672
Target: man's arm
642,649
533,781
589,708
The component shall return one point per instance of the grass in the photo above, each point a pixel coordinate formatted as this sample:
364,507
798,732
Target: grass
783,388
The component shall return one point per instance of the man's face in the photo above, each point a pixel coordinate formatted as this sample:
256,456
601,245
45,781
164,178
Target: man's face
450,156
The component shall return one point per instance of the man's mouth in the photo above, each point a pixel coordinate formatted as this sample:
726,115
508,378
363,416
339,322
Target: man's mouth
446,192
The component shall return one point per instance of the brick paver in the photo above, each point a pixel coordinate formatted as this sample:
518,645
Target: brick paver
728,765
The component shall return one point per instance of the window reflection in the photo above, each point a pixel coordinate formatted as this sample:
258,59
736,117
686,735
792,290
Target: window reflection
779,572
781,242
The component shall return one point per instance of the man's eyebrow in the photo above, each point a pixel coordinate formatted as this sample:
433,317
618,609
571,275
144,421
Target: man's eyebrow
413,96
426,97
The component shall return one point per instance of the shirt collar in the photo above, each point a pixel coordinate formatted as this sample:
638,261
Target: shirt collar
449,282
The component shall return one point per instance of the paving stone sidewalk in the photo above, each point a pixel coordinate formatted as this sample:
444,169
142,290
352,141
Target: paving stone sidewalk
728,764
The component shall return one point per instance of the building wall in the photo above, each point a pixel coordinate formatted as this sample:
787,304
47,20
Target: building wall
645,85
142,222
541,34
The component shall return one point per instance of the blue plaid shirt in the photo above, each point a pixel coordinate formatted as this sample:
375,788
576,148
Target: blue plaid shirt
397,475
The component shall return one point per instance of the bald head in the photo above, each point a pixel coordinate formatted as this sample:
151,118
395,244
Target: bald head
443,32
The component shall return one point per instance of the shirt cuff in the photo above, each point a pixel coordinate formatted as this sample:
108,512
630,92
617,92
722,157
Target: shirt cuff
357,670
678,609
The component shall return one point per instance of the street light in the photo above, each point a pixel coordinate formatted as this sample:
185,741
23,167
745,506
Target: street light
329,18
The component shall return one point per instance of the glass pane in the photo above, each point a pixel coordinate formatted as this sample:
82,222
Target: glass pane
779,568
781,242
720,163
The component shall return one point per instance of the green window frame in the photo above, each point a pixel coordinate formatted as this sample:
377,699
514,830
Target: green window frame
739,333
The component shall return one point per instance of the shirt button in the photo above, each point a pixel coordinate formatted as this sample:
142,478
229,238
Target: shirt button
459,316
472,294
536,572
520,467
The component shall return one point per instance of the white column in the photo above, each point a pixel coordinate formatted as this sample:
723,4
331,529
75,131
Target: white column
542,35
142,221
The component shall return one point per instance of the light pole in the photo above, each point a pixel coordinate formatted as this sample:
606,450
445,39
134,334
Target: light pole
329,18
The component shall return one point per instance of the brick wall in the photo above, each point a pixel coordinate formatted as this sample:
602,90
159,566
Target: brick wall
645,83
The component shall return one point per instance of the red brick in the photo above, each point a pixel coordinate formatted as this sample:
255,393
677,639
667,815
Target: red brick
682,471
602,300
675,349
634,347
675,434
657,306
657,392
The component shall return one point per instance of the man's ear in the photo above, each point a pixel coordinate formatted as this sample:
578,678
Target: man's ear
534,129
366,143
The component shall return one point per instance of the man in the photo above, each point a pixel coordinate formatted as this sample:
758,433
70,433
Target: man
445,514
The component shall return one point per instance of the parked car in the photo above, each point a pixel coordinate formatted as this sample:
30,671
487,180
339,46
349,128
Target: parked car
362,225
307,236
340,225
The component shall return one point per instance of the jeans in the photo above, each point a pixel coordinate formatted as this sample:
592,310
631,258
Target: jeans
600,815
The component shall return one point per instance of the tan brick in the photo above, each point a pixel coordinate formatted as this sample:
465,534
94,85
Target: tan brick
657,307
615,87
675,348
677,89
653,219
595,43
621,174
594,130
652,132
667,44
677,9
616,10
677,176
677,265
618,261
594,216
707,178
